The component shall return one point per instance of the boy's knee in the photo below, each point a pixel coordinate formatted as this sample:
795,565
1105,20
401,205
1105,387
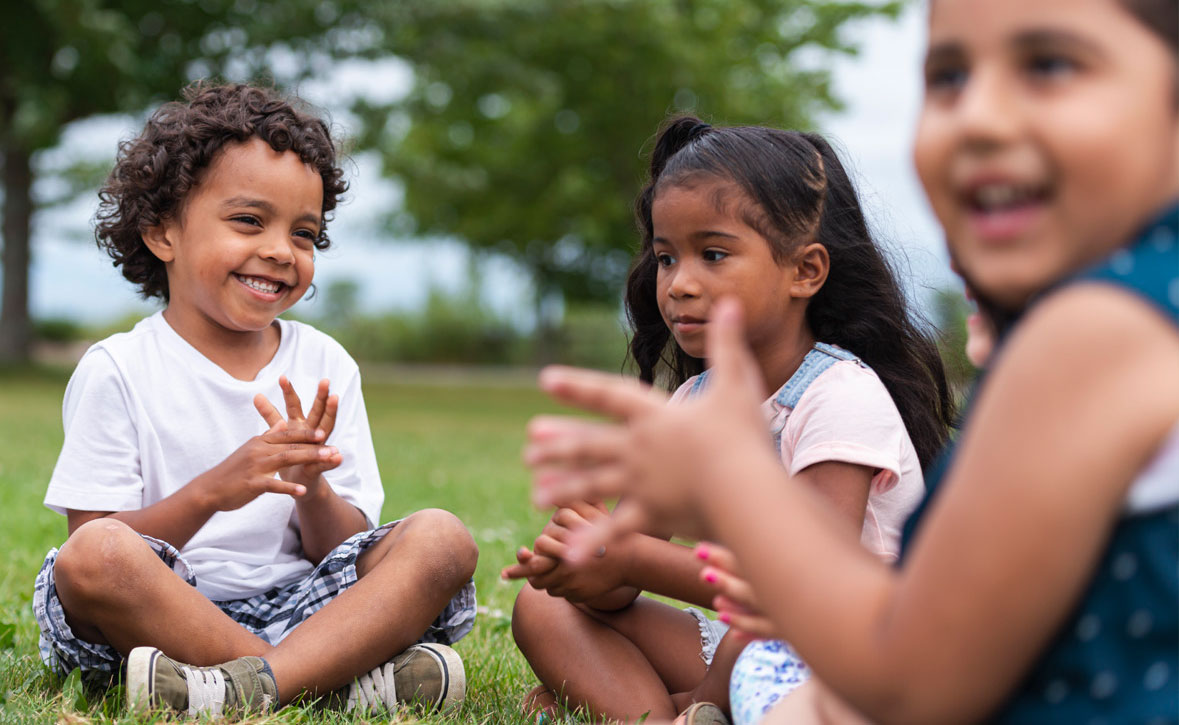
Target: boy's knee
446,536
97,553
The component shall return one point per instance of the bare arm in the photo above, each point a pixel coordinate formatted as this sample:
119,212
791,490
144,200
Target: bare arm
1082,397
246,474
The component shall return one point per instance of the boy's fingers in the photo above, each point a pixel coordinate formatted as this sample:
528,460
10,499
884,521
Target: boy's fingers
327,422
294,405
280,434
277,485
301,455
317,405
610,395
268,412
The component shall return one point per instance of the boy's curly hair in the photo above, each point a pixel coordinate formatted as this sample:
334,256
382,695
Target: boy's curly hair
156,171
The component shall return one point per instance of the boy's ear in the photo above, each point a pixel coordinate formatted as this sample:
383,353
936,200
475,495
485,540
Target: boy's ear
158,239
811,266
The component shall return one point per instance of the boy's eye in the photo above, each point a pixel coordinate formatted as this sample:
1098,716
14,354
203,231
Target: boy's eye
246,219
306,234
665,260
714,255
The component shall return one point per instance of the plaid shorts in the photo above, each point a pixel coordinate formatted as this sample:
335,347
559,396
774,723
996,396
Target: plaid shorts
271,615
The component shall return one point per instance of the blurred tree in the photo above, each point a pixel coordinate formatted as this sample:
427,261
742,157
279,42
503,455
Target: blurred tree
525,128
64,60
950,309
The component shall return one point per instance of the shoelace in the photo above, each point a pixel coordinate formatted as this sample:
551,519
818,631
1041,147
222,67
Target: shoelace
206,690
373,689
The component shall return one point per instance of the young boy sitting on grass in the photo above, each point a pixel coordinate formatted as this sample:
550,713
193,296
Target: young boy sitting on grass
224,548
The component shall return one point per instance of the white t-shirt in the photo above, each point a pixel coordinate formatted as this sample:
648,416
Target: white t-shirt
145,413
847,415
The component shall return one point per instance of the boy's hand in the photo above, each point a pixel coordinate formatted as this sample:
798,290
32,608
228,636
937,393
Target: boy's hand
320,419
249,471
546,567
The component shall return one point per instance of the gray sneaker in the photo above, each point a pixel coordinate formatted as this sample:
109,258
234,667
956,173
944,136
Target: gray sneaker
157,682
428,675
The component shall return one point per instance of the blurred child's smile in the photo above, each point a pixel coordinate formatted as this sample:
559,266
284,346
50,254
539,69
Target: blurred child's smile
1031,110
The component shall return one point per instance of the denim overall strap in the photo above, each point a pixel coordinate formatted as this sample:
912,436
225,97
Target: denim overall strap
817,360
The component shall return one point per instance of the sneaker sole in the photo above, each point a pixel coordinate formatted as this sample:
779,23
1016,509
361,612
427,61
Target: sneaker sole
454,676
141,667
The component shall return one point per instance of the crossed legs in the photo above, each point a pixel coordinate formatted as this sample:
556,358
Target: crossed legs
116,591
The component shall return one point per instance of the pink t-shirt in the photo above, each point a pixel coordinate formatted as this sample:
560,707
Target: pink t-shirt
847,415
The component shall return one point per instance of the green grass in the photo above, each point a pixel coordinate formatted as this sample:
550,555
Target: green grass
445,445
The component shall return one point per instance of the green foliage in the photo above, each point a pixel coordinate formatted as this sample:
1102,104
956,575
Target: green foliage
459,328
64,60
58,329
950,309
524,130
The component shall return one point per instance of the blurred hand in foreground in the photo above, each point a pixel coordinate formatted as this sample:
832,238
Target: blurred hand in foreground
667,462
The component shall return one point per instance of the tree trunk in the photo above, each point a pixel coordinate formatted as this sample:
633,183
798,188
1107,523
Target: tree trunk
15,329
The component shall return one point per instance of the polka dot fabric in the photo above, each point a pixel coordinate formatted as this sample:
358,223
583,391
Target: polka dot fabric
1116,660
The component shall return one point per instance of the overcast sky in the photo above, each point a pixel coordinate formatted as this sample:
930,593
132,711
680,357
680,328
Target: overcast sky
72,278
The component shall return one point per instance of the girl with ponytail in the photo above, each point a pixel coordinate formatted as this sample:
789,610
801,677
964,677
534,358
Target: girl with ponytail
859,404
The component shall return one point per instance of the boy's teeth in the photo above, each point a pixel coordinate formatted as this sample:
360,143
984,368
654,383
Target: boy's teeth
261,285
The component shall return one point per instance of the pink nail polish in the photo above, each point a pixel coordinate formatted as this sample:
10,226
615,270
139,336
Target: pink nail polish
725,617
710,577
702,553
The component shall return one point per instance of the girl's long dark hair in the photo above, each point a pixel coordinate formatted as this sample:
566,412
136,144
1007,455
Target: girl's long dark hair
795,190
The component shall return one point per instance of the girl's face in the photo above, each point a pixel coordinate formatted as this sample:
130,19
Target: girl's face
1049,134
705,251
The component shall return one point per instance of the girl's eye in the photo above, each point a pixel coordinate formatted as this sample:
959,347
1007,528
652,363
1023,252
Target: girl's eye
714,255
1048,66
945,78
665,260
246,219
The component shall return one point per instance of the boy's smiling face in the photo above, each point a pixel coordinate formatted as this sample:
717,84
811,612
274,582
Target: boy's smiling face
241,250
1049,134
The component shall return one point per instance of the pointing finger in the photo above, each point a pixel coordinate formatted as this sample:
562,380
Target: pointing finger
610,395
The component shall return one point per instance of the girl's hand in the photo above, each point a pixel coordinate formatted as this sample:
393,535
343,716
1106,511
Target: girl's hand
735,600
546,567
320,419
662,457
250,471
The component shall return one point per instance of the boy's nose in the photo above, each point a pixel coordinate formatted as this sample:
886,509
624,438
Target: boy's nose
277,248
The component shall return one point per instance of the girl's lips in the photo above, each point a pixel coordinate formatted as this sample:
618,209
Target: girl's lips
688,324
997,226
